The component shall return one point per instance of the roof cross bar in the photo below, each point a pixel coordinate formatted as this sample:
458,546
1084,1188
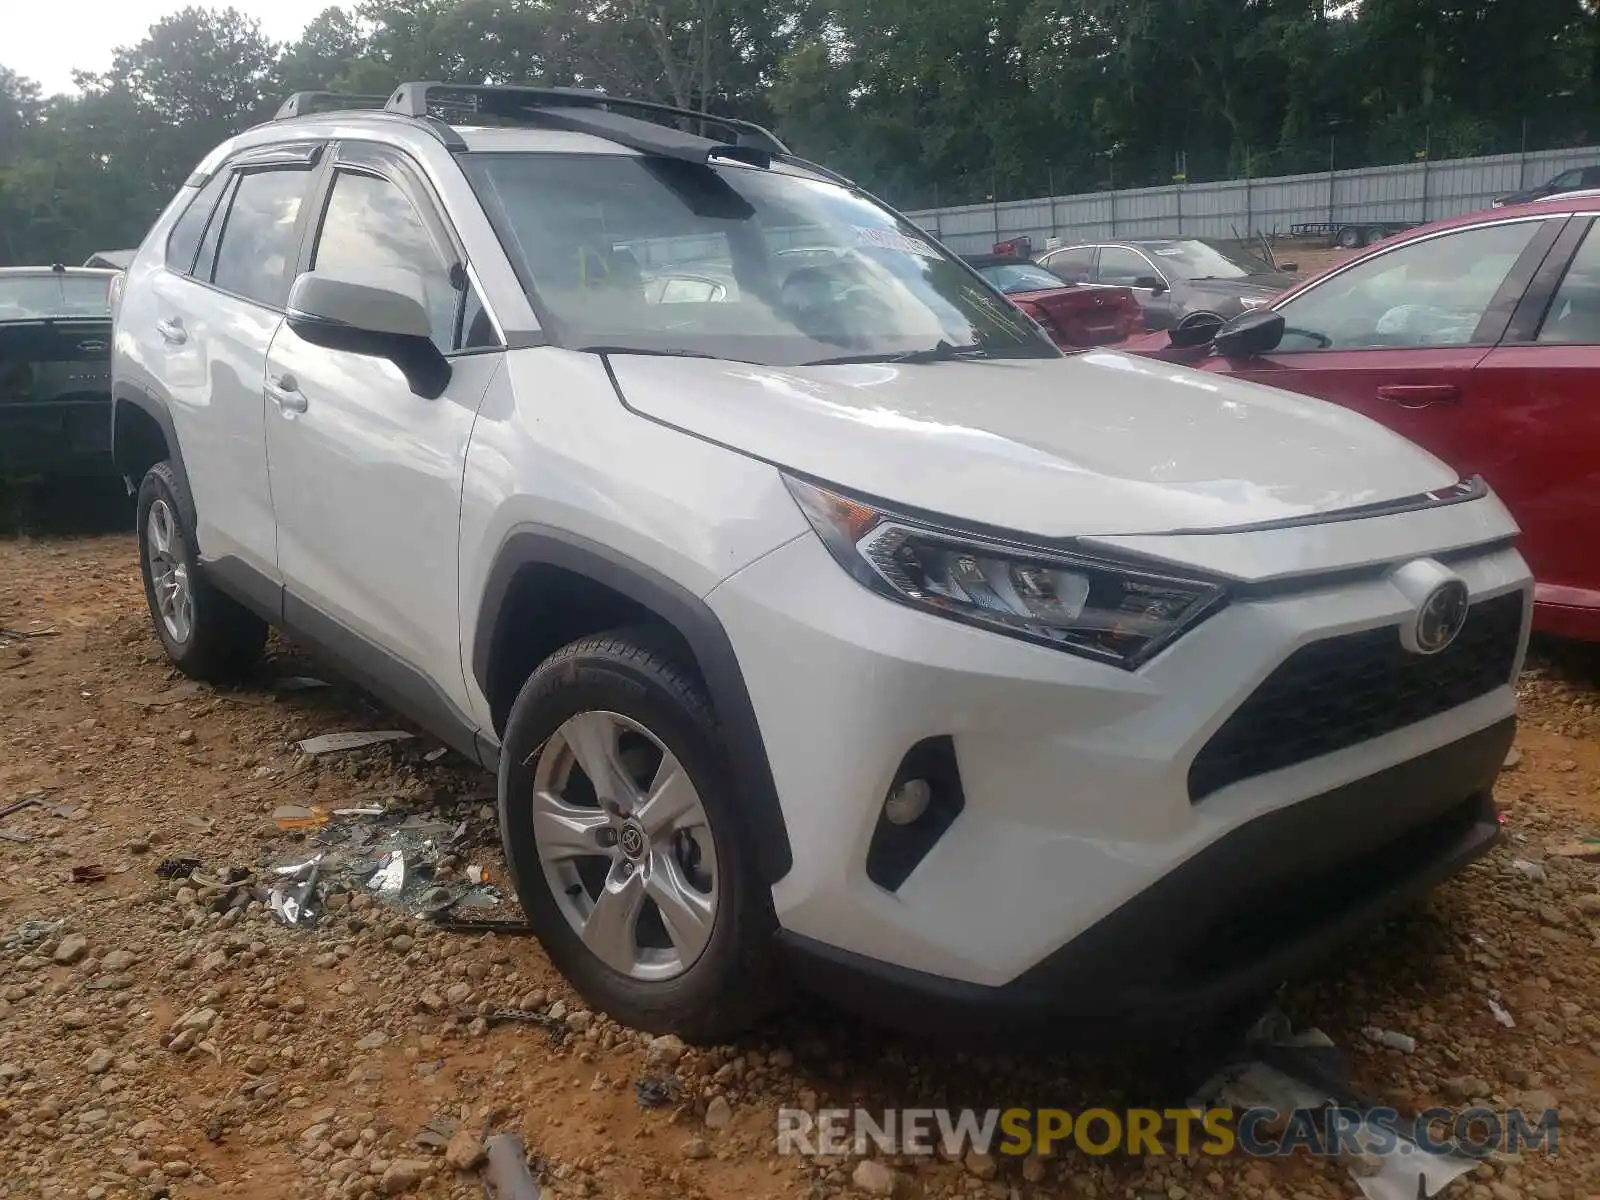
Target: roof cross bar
597,113
303,103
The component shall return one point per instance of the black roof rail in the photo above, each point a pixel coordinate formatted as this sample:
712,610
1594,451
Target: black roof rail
598,113
304,103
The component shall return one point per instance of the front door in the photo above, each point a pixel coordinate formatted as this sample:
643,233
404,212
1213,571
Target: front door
1399,335
1412,337
1126,267
367,475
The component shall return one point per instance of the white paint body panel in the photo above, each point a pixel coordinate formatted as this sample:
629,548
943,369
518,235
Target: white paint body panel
554,447
367,487
1097,443
388,512
211,385
1075,774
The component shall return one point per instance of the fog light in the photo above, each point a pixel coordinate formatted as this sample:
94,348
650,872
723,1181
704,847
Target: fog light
908,801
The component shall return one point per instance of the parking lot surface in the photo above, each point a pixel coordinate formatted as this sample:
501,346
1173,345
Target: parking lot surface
156,1041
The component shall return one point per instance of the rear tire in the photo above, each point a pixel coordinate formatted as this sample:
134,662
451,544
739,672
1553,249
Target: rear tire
589,860
208,636
1349,238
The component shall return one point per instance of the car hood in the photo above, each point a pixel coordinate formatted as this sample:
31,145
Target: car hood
1096,443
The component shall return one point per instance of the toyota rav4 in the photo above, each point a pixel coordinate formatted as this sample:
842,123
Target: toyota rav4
814,609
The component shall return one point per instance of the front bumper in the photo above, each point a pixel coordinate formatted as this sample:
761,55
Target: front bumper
1075,775
1254,908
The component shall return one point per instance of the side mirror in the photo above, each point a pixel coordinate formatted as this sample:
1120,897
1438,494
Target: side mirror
1249,334
1154,283
1194,330
381,314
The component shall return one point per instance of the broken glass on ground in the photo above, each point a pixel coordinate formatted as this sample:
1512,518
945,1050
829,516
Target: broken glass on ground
405,858
297,882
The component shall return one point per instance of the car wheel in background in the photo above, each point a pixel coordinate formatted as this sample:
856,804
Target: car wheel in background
207,635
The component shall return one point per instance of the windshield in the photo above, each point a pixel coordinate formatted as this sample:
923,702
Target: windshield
656,255
1196,259
1019,277
30,297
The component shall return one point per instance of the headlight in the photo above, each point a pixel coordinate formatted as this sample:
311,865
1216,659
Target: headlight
1249,302
1101,610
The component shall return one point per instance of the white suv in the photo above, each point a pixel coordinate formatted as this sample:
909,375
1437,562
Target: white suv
814,609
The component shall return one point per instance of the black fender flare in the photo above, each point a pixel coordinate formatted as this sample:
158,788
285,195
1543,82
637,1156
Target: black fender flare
125,392
699,627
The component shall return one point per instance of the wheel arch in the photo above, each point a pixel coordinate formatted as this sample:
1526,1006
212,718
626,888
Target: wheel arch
142,434
548,588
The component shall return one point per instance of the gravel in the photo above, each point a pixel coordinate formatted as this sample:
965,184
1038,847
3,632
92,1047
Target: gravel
156,1041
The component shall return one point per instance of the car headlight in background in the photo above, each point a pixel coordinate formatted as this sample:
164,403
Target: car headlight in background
1106,611
1249,302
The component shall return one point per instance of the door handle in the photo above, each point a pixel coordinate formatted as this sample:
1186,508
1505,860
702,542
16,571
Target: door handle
1418,395
285,393
172,331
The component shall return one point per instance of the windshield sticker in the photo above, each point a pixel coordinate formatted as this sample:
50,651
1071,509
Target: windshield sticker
890,239
1170,253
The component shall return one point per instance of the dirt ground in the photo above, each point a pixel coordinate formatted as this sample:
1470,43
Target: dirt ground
1310,259
156,1042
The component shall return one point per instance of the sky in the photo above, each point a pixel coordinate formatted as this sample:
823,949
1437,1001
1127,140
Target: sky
47,39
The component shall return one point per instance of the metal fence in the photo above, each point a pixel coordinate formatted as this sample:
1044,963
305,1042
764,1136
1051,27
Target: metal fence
1237,208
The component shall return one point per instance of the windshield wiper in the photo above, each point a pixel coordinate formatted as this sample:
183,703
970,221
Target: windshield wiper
942,352
668,353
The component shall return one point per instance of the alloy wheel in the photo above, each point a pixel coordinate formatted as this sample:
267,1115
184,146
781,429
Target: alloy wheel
625,845
169,573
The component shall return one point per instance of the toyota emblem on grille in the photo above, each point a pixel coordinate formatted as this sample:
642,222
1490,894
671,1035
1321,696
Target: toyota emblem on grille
1441,616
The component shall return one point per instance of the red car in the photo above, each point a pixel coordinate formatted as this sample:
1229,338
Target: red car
1478,338
1076,315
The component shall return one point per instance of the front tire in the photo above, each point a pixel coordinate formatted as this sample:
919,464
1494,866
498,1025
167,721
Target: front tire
208,636
621,828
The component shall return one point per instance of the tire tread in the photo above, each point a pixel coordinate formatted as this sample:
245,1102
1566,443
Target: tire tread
751,979
227,638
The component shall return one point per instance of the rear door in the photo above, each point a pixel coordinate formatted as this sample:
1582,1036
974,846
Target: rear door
1075,264
1543,382
213,314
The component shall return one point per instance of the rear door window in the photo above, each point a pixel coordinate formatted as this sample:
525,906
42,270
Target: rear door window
1076,265
183,243
258,244
1574,314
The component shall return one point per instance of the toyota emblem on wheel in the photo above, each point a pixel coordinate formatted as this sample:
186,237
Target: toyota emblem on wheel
632,840
1441,616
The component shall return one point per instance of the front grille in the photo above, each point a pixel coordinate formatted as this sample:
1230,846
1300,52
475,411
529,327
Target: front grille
1345,690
